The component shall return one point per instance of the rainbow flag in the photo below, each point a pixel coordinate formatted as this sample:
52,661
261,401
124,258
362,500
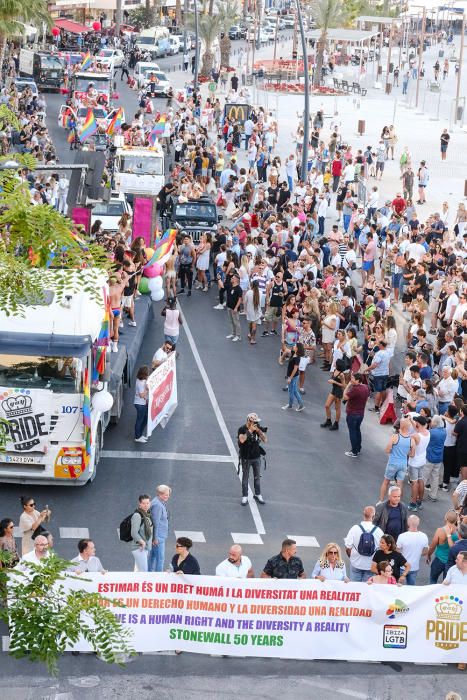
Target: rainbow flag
86,62
71,136
102,342
116,123
88,128
87,417
163,247
157,130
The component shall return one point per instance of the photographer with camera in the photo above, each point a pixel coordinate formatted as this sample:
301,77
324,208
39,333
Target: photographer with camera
250,437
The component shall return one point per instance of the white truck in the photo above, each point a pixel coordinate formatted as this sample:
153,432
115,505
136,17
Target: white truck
155,40
139,170
48,358
92,89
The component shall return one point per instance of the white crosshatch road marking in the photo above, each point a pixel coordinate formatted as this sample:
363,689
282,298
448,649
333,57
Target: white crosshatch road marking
74,533
174,456
304,540
193,535
246,538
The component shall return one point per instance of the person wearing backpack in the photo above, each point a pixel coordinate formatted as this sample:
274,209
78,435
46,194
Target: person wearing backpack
137,529
361,543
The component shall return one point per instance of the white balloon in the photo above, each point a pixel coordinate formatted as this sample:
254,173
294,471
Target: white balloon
102,401
158,295
155,283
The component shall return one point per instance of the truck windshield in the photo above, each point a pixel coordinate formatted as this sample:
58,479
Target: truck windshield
196,212
61,375
51,63
146,40
101,84
142,165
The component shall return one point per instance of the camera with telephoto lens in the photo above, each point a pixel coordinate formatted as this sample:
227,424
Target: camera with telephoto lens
261,427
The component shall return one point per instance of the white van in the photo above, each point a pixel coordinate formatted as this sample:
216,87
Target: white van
155,40
142,70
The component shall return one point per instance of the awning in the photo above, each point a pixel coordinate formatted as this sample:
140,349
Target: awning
69,26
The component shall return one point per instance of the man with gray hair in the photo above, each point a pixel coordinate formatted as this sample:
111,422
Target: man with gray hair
434,456
412,544
391,515
160,518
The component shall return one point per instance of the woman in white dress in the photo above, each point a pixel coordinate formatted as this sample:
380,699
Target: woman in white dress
202,261
253,310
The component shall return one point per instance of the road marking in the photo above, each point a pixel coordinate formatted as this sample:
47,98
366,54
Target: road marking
174,456
5,643
246,538
222,425
74,533
341,691
304,541
195,536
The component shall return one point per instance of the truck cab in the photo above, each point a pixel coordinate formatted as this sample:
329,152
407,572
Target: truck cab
46,69
139,171
194,217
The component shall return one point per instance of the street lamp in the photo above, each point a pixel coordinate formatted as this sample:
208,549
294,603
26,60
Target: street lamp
459,73
306,88
195,79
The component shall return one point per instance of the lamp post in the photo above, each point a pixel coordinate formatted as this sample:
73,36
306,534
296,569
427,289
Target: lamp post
195,79
461,56
306,88
420,54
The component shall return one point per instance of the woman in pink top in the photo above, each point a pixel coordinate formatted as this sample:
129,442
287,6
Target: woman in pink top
384,574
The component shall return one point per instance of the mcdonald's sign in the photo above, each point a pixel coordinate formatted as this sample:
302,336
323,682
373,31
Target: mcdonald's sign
236,112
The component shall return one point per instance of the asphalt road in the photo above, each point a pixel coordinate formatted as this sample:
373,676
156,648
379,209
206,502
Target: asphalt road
312,491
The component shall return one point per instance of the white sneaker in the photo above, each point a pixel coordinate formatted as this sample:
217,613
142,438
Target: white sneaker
236,338
141,439
229,337
244,501
286,407
132,323
219,307
114,346
120,325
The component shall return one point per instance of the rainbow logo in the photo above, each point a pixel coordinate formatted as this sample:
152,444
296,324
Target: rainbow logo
397,608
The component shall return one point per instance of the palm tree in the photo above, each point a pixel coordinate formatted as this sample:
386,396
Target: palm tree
327,13
228,13
209,29
13,12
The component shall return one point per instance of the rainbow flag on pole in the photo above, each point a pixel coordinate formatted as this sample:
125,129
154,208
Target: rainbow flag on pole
87,417
88,128
86,62
163,247
157,130
116,123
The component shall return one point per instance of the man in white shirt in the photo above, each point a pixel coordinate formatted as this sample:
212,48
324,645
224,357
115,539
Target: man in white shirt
322,211
38,554
416,251
451,304
86,559
236,565
360,564
412,544
458,572
162,354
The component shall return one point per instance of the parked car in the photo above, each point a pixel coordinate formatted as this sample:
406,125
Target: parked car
289,22
142,70
110,212
175,45
235,32
110,57
162,85
23,83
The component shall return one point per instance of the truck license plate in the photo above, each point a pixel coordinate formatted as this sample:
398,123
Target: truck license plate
18,459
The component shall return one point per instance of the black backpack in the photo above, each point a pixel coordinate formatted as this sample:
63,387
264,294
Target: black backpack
124,529
366,544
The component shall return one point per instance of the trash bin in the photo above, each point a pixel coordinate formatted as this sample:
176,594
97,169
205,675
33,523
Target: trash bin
391,67
361,127
460,113
441,53
380,70
388,88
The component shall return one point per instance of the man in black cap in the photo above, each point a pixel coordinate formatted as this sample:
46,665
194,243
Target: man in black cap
250,437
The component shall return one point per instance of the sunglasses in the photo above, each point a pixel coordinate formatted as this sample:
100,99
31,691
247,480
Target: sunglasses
333,551
30,504
178,545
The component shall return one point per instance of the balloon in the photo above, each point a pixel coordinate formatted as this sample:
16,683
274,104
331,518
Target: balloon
55,31
158,295
154,284
151,271
102,401
144,286
96,26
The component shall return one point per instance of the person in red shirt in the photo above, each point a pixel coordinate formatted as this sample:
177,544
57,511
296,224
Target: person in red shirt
336,171
399,204
355,396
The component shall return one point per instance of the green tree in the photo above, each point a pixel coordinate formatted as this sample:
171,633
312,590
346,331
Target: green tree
228,13
39,250
327,14
13,12
45,617
209,30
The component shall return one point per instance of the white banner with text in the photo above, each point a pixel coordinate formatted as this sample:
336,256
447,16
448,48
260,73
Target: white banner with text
162,389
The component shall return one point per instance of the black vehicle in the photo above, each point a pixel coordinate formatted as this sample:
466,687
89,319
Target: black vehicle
45,69
235,32
194,217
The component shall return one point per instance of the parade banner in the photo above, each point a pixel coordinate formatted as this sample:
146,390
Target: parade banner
162,387
293,619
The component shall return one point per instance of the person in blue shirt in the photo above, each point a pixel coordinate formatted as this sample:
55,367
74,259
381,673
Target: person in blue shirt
434,456
160,519
426,372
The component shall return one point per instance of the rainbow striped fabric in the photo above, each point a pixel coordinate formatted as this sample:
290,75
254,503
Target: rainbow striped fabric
86,62
87,417
163,248
157,130
88,128
116,123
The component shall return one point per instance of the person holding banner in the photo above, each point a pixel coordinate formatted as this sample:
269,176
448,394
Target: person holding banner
141,403
330,566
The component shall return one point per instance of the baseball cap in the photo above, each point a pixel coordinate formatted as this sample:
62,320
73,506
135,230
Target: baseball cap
420,420
253,417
